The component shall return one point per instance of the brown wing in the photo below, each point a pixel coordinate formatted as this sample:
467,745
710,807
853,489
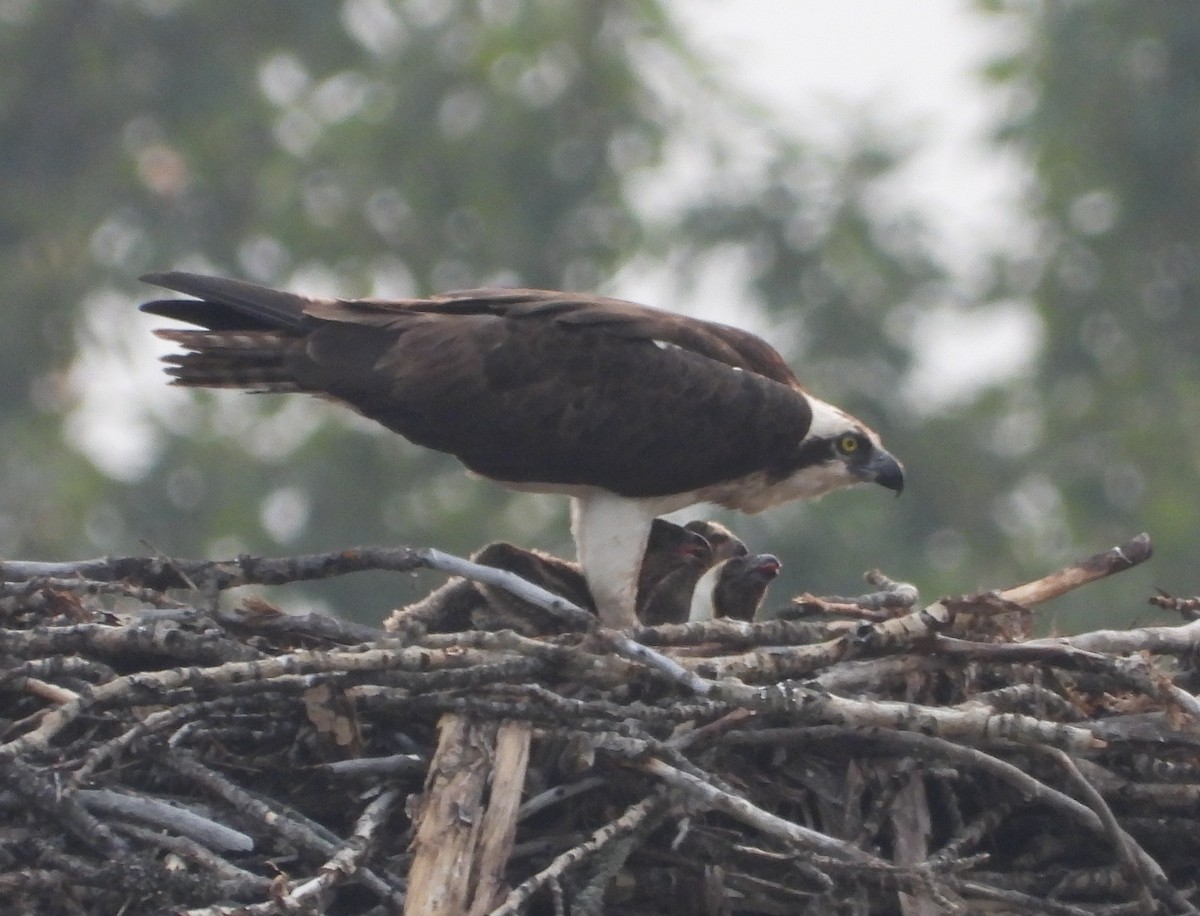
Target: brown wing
732,346
522,386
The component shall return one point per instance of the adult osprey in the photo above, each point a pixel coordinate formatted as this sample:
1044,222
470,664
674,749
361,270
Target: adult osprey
631,411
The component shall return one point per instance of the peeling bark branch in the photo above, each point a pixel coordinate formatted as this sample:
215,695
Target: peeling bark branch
936,756
750,814
1117,559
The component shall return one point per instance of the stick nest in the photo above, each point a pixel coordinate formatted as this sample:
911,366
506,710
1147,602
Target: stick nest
162,753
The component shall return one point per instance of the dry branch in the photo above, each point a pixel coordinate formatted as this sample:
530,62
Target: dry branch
867,755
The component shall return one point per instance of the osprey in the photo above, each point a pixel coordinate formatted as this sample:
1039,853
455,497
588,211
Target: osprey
733,588
630,411
672,553
669,599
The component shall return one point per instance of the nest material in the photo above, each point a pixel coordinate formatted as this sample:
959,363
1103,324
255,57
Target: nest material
864,756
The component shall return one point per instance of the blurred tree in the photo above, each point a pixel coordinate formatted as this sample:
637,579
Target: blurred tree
394,147
1110,121
829,276
365,147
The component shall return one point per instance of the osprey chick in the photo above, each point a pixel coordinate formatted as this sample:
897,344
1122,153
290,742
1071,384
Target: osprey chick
631,411
734,588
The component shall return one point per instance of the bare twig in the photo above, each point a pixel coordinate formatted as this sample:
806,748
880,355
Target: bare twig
748,813
1136,863
346,860
633,816
169,817
1110,562
1189,608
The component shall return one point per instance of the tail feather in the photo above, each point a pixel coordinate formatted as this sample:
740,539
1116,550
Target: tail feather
196,372
232,359
249,332
234,345
227,305
210,315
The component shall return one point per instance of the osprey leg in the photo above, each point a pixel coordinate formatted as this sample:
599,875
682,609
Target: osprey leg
610,539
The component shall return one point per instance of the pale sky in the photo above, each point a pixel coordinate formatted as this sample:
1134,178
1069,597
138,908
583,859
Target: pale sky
913,69
911,65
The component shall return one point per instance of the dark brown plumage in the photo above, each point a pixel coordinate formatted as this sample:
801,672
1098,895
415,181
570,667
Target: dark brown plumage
669,600
522,386
735,587
633,412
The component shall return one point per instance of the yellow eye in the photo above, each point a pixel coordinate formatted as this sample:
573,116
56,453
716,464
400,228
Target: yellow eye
848,444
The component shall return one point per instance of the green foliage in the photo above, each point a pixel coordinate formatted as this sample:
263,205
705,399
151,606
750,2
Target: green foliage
1112,128
362,147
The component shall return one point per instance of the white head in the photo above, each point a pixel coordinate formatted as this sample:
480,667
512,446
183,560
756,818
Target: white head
838,451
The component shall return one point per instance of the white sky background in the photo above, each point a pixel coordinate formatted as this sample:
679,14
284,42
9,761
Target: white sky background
912,67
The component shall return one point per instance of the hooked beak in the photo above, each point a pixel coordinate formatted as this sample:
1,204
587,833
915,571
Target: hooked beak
886,471
767,566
